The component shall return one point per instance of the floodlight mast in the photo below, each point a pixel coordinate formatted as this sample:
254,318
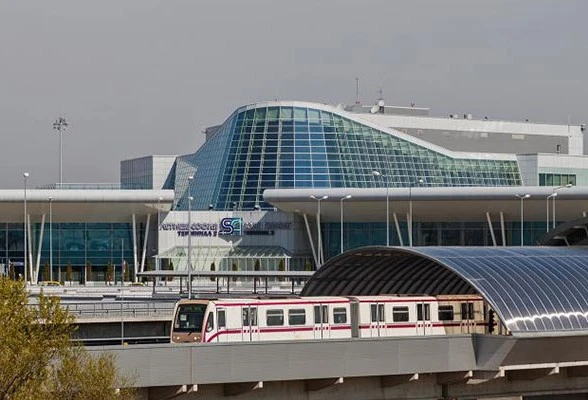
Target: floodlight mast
60,125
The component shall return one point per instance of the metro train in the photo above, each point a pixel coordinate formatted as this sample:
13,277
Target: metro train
320,318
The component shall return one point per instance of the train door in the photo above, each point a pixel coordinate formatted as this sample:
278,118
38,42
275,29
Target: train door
377,320
424,326
321,328
221,325
250,330
468,321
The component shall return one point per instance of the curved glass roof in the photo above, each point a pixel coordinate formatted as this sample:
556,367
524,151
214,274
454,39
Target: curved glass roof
308,145
533,289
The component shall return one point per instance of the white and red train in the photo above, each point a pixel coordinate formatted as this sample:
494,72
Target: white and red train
316,318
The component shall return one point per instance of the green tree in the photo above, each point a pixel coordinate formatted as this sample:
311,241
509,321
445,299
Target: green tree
308,265
212,268
39,361
109,273
46,272
68,272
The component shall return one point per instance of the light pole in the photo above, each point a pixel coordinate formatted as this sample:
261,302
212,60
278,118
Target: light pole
378,174
50,239
419,181
122,288
522,197
318,228
569,185
25,176
60,125
343,198
190,198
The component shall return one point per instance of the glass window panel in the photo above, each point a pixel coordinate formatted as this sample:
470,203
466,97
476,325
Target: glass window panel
285,112
297,317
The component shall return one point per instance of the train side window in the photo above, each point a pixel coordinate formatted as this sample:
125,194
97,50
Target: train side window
446,313
297,316
467,311
222,320
274,317
423,312
321,314
377,312
210,322
340,315
250,317
400,314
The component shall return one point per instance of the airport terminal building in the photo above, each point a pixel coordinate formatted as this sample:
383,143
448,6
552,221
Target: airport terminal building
286,185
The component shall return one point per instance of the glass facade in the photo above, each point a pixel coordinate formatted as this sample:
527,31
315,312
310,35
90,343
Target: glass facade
76,244
288,146
428,234
557,179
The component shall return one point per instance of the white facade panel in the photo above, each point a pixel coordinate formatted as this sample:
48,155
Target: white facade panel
259,229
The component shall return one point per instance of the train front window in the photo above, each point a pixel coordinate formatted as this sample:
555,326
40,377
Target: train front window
190,318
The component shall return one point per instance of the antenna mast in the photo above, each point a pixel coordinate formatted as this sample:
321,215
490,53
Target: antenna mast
356,90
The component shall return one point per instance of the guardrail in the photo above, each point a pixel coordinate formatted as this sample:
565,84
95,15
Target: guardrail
118,308
108,309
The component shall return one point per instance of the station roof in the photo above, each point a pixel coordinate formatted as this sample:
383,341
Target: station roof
81,205
430,204
534,290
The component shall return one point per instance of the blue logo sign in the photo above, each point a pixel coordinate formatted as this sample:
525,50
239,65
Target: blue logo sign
231,226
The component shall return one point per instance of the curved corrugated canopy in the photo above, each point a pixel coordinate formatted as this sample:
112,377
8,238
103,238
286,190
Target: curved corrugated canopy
533,289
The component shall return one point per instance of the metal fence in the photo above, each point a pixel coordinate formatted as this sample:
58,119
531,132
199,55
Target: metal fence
118,308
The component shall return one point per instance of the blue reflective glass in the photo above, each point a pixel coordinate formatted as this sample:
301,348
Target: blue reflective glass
264,136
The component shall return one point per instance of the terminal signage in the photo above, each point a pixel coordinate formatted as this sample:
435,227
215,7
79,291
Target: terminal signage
229,226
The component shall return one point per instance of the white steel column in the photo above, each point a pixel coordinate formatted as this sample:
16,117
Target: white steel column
398,229
145,242
135,258
30,249
409,229
502,228
310,240
37,266
491,228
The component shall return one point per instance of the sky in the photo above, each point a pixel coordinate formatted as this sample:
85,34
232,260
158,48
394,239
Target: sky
142,77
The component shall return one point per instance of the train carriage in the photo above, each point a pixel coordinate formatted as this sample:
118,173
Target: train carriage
321,318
